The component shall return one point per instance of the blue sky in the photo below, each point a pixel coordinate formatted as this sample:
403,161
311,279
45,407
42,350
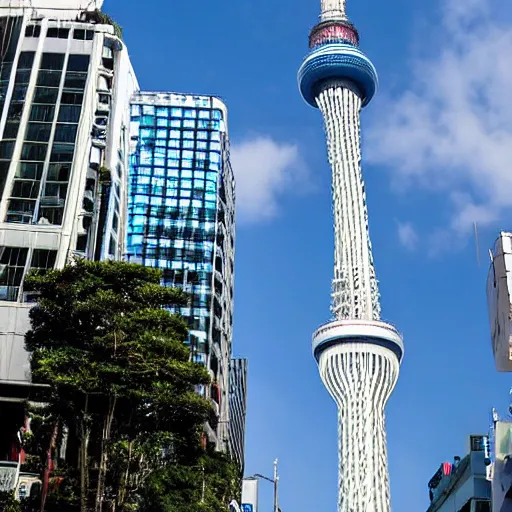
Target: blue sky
437,157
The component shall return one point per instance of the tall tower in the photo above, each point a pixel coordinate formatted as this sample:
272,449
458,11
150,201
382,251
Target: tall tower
358,355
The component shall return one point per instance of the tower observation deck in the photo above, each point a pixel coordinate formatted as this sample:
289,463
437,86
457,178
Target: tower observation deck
358,355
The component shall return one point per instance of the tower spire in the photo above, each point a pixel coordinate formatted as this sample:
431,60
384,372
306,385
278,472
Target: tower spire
333,10
358,355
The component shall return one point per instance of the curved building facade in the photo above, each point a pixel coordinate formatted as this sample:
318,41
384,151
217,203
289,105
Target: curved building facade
358,355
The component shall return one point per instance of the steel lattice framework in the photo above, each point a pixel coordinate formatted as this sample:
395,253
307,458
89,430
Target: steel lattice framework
358,355
355,292
333,9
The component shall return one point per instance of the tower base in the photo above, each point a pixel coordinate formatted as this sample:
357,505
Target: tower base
359,362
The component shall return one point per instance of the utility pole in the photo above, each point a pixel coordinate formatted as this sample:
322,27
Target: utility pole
276,488
275,482
203,490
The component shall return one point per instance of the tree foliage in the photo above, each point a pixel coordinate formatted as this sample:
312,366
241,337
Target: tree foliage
207,486
122,386
8,503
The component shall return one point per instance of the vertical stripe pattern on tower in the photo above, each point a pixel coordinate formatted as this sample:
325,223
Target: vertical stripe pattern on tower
354,288
360,378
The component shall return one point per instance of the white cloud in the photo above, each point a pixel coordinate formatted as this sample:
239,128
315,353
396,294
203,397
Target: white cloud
265,170
407,235
451,130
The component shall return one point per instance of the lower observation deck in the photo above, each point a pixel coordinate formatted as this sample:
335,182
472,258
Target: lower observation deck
357,331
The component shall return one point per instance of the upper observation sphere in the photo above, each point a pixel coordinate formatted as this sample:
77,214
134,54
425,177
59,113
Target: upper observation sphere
334,56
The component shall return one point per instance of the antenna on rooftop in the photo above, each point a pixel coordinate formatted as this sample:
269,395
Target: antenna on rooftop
477,245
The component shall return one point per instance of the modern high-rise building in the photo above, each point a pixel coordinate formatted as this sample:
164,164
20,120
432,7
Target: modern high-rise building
181,219
462,485
65,84
358,355
237,410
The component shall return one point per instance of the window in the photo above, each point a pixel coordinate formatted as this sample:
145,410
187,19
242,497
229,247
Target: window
482,506
115,223
35,152
55,193
12,267
26,60
43,113
72,98
62,153
61,33
75,80
38,132
11,129
29,171
49,78
112,246
42,259
46,95
477,443
4,169
14,112
69,113
6,149
23,76
19,93
25,189
33,31
24,193
20,211
78,63
65,133
59,172
51,61
83,35
53,199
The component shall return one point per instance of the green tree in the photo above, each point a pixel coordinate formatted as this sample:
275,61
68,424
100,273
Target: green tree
8,503
208,486
120,377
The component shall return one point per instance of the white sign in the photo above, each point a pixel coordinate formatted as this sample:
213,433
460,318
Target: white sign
249,495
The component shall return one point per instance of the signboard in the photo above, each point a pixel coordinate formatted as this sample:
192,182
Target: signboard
249,495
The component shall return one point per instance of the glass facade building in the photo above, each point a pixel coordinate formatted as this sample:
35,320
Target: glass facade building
237,410
181,219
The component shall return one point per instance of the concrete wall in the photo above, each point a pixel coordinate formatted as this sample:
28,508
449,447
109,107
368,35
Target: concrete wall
14,323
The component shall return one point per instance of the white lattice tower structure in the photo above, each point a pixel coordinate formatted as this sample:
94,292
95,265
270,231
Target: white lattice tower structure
332,9
358,355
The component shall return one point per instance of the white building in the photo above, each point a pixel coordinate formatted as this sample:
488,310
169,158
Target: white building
499,300
65,84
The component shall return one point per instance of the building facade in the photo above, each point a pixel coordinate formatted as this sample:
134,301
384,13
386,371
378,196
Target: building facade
358,355
181,219
462,486
237,410
65,84
499,300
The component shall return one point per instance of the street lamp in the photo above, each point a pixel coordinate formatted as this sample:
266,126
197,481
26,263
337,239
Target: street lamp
275,482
